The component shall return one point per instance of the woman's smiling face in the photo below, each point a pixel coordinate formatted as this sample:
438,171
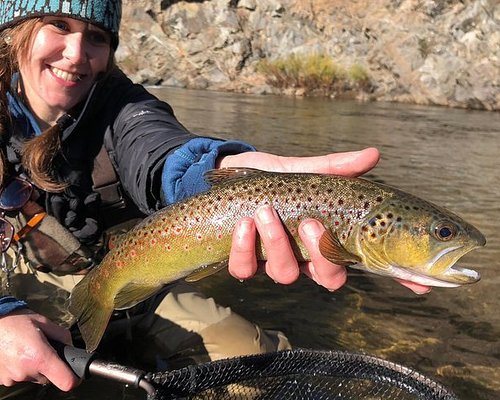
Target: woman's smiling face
64,61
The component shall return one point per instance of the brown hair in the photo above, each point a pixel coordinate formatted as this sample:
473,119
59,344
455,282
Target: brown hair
38,152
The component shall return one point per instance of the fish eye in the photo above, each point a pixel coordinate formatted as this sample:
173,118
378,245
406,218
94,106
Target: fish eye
445,231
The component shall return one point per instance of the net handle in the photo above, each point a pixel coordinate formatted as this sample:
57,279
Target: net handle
85,364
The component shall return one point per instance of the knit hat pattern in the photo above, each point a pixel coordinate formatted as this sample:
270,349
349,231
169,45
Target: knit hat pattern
104,13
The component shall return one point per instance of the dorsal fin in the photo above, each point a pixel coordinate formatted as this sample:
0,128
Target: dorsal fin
217,176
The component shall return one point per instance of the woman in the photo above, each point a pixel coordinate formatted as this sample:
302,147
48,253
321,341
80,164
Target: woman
61,99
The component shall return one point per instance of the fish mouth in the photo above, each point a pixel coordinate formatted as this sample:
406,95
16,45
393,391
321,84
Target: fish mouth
454,276
442,271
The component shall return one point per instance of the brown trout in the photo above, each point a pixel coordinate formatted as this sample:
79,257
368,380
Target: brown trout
370,226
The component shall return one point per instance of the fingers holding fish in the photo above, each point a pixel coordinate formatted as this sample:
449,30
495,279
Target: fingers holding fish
415,287
353,163
319,269
281,264
242,257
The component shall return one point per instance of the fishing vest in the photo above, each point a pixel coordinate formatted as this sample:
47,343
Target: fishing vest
52,247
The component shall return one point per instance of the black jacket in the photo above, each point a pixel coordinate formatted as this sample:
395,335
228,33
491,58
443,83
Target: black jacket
138,130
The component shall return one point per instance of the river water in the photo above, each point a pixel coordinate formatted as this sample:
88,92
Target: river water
448,156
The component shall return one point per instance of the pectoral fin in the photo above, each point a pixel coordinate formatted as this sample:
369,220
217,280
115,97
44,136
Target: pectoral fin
206,270
331,248
133,293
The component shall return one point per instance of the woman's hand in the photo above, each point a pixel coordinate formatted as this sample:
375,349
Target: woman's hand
26,355
281,264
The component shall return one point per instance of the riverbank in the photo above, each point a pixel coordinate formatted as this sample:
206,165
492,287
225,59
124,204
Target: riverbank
423,52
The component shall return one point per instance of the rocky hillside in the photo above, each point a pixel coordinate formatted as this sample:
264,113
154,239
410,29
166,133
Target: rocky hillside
444,52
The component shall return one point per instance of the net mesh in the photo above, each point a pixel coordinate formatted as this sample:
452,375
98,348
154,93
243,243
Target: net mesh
298,374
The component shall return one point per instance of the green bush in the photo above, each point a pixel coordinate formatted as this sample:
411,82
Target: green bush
313,74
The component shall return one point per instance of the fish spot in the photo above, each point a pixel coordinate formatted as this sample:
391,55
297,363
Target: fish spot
210,248
133,253
340,202
186,247
119,264
168,247
199,236
399,219
361,196
389,215
366,205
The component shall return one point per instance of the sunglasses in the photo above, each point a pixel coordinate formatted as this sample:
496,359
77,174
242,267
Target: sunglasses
13,197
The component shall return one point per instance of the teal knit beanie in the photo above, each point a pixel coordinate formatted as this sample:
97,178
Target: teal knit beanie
104,13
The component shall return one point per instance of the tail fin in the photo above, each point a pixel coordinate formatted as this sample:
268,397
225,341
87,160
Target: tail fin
91,310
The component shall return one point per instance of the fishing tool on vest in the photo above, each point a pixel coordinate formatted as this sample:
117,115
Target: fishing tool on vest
13,197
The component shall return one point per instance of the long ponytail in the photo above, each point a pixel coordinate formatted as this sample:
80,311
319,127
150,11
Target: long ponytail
37,157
